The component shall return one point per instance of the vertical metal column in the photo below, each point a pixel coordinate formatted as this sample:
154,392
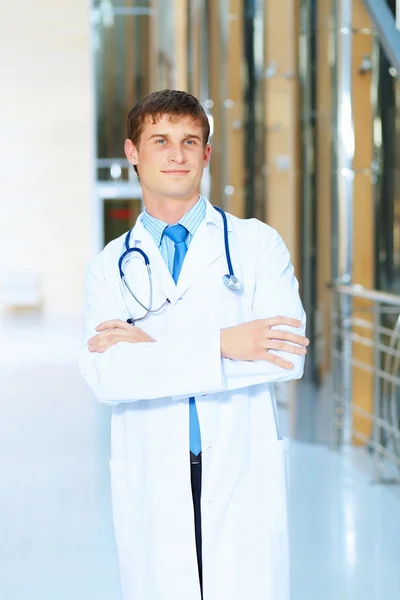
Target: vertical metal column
343,190
376,435
307,69
344,142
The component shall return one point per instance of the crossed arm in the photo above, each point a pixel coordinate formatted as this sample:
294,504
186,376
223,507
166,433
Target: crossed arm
248,341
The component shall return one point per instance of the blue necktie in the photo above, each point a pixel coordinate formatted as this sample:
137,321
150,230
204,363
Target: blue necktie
178,234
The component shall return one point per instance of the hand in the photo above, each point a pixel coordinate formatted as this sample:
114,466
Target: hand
254,339
112,332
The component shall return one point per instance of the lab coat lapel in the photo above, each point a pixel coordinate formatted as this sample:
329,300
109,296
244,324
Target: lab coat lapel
161,277
203,251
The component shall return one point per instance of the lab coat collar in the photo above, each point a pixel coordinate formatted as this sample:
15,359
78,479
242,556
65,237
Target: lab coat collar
162,278
213,216
205,248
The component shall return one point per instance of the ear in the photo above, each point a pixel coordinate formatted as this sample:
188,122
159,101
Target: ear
131,152
207,155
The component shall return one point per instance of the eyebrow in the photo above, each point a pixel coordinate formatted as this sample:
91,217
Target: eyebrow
185,137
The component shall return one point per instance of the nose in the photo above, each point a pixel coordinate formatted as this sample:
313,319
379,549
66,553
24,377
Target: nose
176,154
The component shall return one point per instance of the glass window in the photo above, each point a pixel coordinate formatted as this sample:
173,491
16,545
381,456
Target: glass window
387,182
122,69
165,44
119,217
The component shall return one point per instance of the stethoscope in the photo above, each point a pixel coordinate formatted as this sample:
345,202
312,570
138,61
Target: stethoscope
230,279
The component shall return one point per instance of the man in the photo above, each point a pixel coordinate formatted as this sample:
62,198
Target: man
197,463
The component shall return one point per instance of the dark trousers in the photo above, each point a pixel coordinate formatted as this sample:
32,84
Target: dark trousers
195,470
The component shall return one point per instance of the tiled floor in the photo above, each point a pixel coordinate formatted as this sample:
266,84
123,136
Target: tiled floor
56,538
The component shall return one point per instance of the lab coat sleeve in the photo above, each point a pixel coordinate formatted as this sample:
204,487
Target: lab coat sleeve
126,372
276,293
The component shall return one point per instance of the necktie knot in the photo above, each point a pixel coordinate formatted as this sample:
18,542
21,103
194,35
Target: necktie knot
176,233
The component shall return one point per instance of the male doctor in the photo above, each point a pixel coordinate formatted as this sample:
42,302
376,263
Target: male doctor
197,462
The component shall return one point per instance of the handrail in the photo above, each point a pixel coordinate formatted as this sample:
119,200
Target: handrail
358,291
385,25
381,364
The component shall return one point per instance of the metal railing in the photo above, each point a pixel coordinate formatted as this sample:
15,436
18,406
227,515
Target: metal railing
385,27
366,375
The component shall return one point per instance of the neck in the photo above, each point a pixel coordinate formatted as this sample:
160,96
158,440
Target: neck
169,210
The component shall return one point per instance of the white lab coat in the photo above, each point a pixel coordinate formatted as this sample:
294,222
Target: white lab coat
244,520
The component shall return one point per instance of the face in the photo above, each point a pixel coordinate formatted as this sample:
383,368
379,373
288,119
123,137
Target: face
170,157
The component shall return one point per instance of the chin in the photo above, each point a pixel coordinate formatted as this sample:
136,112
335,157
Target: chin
176,188
179,188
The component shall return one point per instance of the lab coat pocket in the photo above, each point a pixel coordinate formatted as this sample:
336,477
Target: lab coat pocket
273,461
120,503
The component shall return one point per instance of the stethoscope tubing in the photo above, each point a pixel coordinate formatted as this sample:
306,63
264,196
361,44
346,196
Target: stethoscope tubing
226,240
148,309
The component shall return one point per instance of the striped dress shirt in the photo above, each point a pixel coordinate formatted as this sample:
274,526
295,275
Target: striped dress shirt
191,220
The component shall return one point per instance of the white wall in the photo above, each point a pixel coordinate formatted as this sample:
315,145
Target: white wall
46,146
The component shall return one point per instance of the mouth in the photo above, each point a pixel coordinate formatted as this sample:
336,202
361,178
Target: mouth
176,172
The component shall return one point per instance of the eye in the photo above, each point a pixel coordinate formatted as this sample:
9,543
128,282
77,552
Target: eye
160,141
190,142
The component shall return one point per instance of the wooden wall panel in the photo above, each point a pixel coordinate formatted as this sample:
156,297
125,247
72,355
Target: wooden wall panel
214,68
282,139
361,19
363,210
180,44
283,124
234,116
226,83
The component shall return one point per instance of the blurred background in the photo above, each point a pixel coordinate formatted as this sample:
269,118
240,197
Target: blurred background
303,99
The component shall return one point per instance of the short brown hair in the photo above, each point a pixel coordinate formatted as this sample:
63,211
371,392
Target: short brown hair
174,103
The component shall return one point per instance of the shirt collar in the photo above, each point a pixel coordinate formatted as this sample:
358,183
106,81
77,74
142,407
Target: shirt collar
154,226
190,220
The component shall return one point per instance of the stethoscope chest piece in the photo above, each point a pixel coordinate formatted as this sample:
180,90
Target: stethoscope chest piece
232,283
